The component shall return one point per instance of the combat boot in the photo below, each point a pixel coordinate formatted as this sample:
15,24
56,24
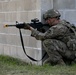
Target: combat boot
47,61
61,62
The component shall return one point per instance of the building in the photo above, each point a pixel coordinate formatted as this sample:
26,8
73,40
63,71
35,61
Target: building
23,11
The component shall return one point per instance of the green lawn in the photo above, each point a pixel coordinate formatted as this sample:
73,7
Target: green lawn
12,66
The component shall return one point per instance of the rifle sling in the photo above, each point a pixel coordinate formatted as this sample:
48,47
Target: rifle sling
25,51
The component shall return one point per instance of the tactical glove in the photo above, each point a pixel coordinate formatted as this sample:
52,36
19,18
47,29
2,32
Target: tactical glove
27,26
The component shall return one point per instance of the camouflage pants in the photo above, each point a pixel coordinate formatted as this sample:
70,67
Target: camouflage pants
56,50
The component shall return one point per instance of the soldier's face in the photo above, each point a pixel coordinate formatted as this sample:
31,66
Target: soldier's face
50,21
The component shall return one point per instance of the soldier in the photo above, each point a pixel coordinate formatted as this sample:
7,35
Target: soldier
56,39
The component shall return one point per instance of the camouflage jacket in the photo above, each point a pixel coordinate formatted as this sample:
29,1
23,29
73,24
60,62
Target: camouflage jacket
59,32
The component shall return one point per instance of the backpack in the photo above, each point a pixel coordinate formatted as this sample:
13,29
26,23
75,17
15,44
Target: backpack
71,44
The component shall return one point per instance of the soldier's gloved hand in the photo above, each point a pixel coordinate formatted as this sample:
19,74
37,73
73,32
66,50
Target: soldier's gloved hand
27,26
20,25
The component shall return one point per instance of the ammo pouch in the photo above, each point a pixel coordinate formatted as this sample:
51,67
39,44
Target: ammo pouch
71,44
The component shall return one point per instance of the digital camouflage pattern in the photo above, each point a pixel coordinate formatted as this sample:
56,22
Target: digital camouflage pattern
58,42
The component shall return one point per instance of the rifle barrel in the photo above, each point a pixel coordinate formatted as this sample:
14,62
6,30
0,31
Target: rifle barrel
8,25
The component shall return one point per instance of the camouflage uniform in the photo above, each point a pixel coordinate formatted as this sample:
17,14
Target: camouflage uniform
55,43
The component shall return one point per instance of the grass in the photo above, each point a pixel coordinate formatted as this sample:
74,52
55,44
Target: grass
13,66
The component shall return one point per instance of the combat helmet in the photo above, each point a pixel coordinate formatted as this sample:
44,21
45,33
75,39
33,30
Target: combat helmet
51,14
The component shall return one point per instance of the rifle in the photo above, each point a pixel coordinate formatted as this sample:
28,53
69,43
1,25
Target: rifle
35,24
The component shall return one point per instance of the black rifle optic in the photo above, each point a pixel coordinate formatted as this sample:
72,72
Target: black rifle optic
34,23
